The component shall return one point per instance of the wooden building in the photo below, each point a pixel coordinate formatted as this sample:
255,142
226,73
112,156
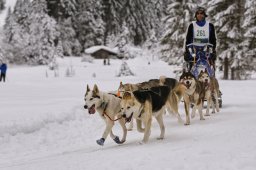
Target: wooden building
101,52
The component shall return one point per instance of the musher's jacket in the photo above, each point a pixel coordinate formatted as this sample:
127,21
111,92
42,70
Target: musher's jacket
200,33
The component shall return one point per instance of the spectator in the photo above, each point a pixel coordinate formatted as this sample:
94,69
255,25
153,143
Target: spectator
3,69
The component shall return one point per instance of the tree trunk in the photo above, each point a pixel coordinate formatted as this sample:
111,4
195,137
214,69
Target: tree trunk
225,77
232,73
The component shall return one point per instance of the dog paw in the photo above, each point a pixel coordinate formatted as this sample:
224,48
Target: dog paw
129,129
186,124
100,141
160,138
202,118
117,140
207,114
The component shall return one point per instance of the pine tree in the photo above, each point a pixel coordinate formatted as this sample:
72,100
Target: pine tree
88,23
16,31
70,43
2,4
125,70
249,26
61,9
138,20
179,16
43,32
31,32
111,17
227,18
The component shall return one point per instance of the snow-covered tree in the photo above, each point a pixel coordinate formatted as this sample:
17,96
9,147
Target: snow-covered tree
61,9
2,4
43,31
70,43
249,25
179,16
125,70
31,32
88,23
227,18
138,20
111,17
16,31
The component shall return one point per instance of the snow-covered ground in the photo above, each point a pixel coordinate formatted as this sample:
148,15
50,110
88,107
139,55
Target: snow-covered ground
43,124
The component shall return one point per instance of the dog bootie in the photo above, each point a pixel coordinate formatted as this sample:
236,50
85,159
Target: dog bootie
100,141
117,140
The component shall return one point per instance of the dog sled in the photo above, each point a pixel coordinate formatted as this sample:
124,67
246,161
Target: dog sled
202,60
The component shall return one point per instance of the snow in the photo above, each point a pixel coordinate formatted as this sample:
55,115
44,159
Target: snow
43,124
93,49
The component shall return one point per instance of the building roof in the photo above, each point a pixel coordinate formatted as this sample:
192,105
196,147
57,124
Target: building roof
93,49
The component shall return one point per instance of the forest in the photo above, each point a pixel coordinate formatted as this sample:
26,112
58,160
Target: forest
37,31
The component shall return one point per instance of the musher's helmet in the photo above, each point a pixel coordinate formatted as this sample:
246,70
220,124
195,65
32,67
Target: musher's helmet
200,9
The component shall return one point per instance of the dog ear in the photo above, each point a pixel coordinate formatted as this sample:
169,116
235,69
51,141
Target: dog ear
120,85
87,88
205,70
95,89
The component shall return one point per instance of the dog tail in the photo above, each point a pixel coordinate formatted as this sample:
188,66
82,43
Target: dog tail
175,96
179,90
174,99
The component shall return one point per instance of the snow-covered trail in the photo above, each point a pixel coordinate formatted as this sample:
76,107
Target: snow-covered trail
43,125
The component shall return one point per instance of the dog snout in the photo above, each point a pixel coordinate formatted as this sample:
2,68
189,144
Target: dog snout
187,82
85,107
124,115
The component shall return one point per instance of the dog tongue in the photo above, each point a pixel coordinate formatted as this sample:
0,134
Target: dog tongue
91,110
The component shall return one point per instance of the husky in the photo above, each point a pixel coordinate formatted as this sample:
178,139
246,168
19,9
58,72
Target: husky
149,85
194,93
144,104
139,86
108,106
162,81
211,91
133,87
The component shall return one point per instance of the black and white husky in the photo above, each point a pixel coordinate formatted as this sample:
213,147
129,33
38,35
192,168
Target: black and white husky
108,107
144,104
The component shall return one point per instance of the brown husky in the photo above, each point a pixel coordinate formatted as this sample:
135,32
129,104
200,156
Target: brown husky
194,93
211,91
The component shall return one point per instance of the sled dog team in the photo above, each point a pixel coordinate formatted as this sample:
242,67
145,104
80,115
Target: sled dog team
143,101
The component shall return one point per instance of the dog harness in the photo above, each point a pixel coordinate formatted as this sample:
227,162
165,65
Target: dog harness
104,106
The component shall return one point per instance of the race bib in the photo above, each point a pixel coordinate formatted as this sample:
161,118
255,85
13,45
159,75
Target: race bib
201,34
